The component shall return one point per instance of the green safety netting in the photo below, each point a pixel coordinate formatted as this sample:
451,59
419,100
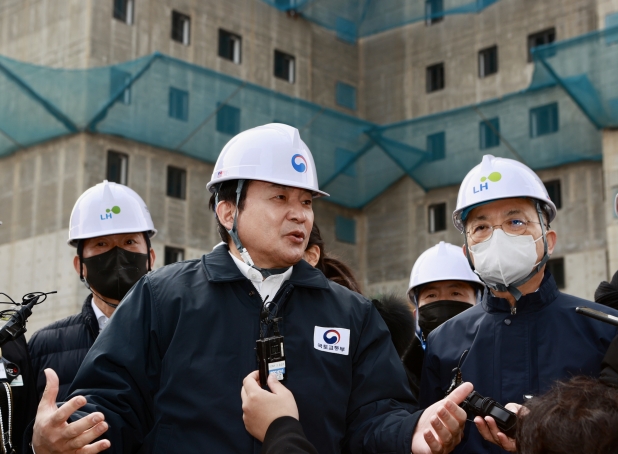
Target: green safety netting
192,110
586,67
353,19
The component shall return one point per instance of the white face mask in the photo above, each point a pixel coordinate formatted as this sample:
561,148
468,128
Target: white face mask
504,259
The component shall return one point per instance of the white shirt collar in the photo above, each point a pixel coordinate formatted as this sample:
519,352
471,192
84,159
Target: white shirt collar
268,287
101,317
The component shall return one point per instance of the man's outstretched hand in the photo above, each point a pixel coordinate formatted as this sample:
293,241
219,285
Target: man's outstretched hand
52,433
440,427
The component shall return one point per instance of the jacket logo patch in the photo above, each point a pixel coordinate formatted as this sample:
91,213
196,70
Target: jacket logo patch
332,340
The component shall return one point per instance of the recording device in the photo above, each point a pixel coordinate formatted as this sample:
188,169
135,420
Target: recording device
270,350
271,357
478,405
593,313
16,325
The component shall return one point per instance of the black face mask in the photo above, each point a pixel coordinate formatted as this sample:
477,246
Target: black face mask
432,315
113,273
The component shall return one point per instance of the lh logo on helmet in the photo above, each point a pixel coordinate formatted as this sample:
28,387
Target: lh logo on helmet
299,163
109,212
484,186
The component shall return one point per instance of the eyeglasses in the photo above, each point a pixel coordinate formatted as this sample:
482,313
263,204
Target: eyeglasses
481,231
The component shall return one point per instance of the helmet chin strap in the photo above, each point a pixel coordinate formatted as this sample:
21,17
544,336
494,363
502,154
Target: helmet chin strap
512,288
233,232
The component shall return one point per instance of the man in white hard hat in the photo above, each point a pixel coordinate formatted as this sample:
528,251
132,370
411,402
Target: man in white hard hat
442,285
525,333
167,374
110,227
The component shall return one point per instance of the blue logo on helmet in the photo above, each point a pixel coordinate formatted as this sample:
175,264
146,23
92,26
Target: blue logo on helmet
299,163
334,337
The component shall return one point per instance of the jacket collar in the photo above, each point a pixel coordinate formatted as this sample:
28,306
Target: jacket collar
546,294
90,317
220,267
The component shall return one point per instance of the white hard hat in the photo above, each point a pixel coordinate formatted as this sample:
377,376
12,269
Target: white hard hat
274,153
500,178
442,262
108,209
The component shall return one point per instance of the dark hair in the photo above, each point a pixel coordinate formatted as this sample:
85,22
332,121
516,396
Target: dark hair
333,268
227,193
607,292
399,318
576,416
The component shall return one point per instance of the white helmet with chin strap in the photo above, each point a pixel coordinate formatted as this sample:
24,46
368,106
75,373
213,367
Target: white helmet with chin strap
501,178
274,153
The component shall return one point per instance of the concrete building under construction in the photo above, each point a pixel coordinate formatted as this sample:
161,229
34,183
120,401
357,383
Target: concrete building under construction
396,99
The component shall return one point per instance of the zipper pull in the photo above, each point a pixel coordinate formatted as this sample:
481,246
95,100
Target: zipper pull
513,310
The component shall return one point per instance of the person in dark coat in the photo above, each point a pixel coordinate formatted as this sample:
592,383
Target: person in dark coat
524,334
442,285
607,293
166,374
62,346
113,252
23,389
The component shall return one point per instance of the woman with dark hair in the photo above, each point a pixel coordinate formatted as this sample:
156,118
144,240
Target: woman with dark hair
333,268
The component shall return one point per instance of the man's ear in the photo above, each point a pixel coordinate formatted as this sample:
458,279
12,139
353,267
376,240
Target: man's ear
153,256
76,265
312,255
225,212
552,238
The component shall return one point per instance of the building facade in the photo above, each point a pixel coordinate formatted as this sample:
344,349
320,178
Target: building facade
408,72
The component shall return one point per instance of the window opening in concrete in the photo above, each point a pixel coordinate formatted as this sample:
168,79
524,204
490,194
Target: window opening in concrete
489,133
611,21
436,214
123,11
284,66
181,27
488,61
345,229
434,11
540,39
345,95
179,104
228,119
436,146
435,77
229,46
342,159
117,167
176,182
173,255
556,268
119,79
544,120
554,191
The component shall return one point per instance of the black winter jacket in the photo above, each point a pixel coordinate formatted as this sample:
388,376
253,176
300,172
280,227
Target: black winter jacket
62,346
512,353
168,369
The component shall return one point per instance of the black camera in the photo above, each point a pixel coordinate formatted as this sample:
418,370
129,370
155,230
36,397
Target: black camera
481,406
271,358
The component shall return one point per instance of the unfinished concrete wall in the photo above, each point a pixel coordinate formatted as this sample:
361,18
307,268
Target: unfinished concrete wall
399,91
46,32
